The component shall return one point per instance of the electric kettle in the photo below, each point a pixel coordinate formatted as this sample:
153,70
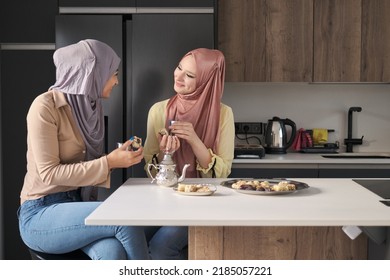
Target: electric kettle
276,135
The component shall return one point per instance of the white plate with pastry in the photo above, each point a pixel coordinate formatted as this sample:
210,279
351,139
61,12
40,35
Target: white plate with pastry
192,189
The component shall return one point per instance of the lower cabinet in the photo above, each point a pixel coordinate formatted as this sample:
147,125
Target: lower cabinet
308,172
273,173
353,173
274,243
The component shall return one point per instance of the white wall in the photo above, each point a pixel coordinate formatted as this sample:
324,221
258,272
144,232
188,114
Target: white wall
318,106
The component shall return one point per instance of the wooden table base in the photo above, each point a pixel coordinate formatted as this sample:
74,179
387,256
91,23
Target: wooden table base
274,243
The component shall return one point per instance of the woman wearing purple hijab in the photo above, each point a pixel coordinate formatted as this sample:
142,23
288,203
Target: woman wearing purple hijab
65,156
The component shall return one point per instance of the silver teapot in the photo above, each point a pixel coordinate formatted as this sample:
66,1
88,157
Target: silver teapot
167,175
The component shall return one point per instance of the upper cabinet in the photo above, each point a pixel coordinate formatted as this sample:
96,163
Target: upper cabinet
375,65
305,40
96,3
337,41
351,41
27,21
131,6
241,37
289,40
266,40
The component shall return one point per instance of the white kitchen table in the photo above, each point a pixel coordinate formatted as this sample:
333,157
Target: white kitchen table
327,202
223,225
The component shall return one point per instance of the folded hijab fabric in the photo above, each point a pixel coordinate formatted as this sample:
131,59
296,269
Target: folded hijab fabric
202,107
82,70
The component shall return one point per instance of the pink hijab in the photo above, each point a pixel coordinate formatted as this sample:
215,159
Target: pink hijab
202,107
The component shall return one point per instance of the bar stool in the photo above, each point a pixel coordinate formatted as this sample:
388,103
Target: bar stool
74,255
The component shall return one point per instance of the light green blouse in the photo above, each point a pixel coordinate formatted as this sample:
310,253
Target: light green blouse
223,156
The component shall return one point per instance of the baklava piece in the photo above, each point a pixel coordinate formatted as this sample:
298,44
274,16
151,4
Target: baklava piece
163,131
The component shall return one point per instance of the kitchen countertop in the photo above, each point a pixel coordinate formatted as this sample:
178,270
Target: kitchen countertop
308,160
327,202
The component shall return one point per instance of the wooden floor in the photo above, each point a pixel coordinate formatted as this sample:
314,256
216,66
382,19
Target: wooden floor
274,243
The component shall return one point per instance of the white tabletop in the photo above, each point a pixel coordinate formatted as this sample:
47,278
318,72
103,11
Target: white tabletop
327,202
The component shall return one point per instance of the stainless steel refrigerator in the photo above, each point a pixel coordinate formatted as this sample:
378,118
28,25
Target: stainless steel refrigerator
150,45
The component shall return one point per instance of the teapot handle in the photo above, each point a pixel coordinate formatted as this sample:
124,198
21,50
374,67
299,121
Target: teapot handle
150,174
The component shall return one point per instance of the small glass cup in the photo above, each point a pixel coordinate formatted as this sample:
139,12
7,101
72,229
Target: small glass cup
171,122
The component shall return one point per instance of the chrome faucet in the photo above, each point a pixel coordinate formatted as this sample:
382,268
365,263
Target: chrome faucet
349,142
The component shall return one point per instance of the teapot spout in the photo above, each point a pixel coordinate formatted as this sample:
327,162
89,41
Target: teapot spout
183,173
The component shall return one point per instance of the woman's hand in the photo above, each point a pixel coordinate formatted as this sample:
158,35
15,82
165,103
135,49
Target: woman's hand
169,143
124,156
184,130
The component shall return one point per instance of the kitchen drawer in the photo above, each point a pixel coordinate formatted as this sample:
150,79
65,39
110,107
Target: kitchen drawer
354,173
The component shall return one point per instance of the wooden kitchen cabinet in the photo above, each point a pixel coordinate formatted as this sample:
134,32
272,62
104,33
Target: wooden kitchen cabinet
305,40
337,41
266,40
274,243
375,64
351,41
241,37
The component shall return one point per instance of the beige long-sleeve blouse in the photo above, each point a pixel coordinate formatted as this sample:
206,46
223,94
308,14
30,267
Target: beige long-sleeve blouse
56,151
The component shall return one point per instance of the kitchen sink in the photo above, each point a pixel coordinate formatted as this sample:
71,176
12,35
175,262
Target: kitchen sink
358,155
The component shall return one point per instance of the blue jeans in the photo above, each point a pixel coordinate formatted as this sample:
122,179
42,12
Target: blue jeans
167,242
55,224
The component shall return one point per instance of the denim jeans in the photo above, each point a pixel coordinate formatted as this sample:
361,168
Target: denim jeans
167,242
55,224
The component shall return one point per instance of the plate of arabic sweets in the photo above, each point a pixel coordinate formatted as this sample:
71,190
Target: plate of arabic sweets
265,186
195,189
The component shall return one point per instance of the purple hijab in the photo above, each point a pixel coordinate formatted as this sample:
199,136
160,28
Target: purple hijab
82,70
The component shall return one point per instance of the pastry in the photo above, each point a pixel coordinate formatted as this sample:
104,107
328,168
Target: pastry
137,142
256,185
163,132
181,187
203,189
283,186
192,188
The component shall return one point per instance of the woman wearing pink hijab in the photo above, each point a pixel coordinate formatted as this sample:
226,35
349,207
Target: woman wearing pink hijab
202,134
